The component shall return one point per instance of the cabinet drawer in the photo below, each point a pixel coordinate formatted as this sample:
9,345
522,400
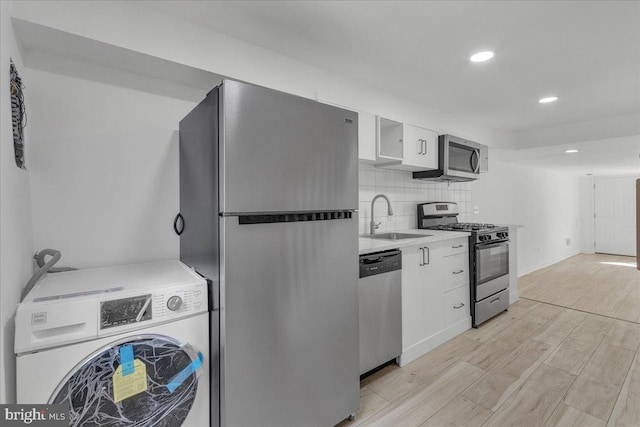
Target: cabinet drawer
456,246
455,271
456,306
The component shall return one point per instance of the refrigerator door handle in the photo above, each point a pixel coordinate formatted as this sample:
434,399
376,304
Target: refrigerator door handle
178,224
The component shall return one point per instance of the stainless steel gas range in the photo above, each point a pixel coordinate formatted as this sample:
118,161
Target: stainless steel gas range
488,258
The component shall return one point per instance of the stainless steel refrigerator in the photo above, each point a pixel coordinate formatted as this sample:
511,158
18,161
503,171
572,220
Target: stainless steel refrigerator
268,199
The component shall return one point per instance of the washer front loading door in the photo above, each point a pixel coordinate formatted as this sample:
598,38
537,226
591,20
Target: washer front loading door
172,370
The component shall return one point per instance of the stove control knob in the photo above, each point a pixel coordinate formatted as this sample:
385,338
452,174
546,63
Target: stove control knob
174,303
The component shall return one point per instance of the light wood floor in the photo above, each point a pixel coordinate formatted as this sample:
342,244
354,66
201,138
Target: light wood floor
536,365
602,284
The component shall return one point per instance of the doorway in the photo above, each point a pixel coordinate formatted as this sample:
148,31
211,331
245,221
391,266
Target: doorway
615,215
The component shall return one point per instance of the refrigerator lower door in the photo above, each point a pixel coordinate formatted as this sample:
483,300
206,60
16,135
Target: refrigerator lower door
214,363
289,323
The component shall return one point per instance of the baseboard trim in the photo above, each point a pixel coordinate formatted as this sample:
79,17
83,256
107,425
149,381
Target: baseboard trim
548,263
428,344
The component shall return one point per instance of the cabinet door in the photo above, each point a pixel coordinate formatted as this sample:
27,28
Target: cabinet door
366,136
412,296
433,314
389,138
420,147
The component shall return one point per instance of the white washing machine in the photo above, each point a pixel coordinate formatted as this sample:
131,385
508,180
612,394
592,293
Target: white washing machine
121,346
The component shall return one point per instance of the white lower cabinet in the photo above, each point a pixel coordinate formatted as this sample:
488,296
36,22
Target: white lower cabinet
456,304
435,282
422,315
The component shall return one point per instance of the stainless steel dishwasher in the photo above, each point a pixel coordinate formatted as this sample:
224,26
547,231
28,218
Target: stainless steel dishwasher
379,290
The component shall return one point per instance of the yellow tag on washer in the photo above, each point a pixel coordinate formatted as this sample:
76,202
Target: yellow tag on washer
130,385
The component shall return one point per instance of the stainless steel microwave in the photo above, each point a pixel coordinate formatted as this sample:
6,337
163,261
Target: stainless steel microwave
458,160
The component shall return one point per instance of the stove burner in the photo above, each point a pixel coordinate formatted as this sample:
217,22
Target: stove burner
475,226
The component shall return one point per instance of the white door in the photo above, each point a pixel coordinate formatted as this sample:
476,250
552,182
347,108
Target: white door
615,221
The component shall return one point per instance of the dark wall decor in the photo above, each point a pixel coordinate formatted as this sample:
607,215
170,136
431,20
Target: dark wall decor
18,114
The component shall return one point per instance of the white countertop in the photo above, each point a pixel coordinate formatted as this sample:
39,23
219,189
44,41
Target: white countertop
511,225
368,245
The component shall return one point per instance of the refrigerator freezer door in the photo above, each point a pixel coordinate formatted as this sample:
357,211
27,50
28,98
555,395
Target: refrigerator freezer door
284,153
289,323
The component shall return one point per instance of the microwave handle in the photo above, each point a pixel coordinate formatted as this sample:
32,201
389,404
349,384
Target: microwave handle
476,154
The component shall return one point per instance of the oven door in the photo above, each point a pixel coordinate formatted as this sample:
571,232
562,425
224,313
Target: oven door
491,268
461,157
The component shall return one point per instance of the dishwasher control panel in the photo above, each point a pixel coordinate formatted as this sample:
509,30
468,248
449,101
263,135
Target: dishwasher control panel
380,262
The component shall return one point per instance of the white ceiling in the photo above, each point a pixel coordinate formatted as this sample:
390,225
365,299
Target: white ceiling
585,52
607,157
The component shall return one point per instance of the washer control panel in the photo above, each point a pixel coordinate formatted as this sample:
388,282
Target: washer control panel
125,311
158,306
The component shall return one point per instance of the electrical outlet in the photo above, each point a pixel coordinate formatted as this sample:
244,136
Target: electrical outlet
567,241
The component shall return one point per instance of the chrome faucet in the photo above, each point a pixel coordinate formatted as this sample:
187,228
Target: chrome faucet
375,226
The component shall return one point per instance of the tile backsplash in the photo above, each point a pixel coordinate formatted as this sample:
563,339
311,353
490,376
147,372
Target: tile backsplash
405,193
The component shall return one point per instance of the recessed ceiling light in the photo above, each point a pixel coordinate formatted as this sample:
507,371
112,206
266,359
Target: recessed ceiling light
548,99
571,151
481,56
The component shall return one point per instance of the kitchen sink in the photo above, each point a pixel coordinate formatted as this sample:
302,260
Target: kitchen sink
395,236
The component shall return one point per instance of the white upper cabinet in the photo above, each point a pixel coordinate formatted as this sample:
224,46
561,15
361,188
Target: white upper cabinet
420,148
367,132
407,147
366,136
390,140
394,145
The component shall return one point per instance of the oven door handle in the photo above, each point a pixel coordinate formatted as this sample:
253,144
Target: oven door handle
492,244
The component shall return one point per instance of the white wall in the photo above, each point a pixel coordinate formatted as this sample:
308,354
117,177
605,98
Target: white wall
104,171
16,247
545,202
587,204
